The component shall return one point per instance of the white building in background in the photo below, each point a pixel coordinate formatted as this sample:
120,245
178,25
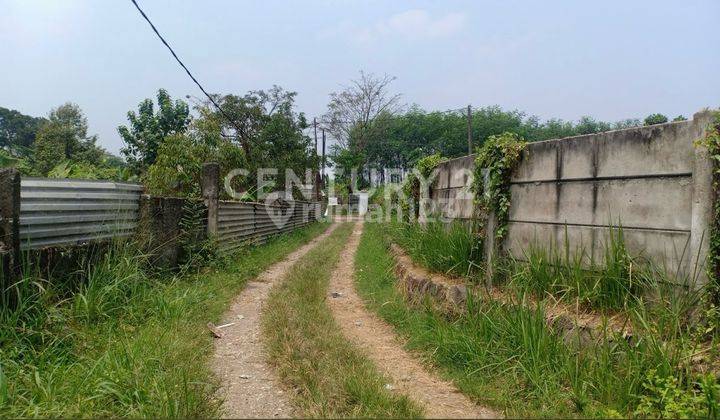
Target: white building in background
363,198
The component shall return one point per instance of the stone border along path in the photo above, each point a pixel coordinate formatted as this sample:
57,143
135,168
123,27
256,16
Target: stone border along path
439,398
575,326
250,388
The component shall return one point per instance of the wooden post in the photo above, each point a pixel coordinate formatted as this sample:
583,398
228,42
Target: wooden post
318,185
10,268
210,186
469,130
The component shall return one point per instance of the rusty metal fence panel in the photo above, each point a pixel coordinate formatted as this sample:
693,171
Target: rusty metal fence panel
236,224
241,223
66,212
56,212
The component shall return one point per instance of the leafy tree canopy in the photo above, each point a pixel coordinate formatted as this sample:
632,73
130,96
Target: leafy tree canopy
18,131
399,140
148,127
653,119
263,131
265,127
63,137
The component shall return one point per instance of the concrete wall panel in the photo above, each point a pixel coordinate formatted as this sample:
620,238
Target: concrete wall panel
668,249
655,150
657,203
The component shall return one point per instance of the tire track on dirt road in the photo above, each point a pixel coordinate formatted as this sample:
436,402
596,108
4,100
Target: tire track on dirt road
250,387
439,398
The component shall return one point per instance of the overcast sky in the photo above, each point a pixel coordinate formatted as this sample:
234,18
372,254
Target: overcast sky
609,59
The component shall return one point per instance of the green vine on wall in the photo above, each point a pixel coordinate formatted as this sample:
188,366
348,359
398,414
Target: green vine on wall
411,186
711,142
500,154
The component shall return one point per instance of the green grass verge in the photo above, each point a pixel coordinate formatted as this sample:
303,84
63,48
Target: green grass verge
332,378
126,344
506,357
450,249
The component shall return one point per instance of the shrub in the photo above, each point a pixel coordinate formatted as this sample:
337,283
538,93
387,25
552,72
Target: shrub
665,397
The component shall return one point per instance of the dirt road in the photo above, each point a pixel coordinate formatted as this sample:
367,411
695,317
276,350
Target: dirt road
439,398
250,388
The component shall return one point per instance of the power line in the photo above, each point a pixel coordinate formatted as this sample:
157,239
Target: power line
212,100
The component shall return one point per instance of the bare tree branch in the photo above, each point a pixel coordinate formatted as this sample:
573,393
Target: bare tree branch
354,108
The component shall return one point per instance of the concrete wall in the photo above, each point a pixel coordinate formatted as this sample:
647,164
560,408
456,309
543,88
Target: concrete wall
451,195
652,181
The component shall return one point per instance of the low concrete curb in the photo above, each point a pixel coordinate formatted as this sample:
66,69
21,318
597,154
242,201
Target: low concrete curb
450,296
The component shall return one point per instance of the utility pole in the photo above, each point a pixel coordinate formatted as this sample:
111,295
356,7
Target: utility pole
323,154
317,179
315,126
469,129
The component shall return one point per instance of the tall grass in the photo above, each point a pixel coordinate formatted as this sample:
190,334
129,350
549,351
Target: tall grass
451,249
612,283
116,278
618,281
111,338
506,356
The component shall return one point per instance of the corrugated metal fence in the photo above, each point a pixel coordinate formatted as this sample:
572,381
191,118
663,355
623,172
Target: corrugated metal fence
240,223
57,212
62,212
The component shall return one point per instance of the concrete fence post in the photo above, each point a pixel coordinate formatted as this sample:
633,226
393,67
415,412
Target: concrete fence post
160,219
210,187
9,232
703,201
490,246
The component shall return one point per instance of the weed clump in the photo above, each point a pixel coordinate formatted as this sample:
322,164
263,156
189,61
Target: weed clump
451,249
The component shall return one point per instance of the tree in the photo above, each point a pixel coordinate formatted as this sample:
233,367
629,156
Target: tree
148,128
653,119
680,118
345,160
351,111
589,125
21,164
71,116
50,147
262,131
245,117
400,140
79,146
18,131
63,137
627,123
264,124
178,167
